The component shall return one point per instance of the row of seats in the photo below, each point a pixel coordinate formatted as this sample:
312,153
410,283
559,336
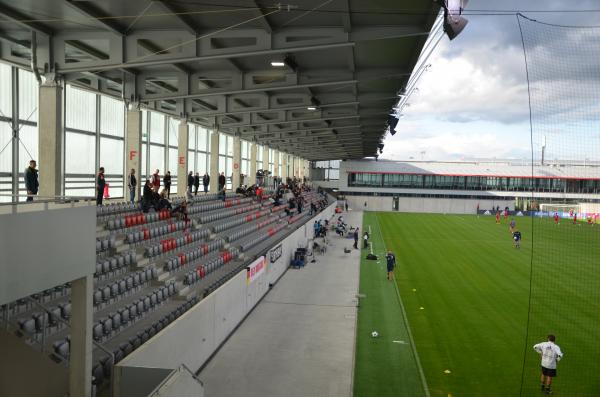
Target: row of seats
102,244
237,234
215,216
278,208
116,208
126,221
183,258
103,369
129,284
193,276
229,223
106,327
45,319
143,234
255,240
115,264
170,244
295,218
195,209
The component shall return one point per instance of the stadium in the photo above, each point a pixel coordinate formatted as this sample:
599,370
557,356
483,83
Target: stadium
320,198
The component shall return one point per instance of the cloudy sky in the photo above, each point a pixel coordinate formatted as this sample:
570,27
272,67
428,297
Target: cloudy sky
473,102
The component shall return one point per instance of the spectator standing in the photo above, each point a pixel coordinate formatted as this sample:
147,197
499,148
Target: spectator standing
221,181
366,240
31,180
223,194
167,183
205,182
100,184
551,354
190,182
346,205
356,238
316,227
196,183
156,181
131,184
391,263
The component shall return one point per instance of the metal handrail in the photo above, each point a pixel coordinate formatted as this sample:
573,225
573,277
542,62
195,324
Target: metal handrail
68,360
44,199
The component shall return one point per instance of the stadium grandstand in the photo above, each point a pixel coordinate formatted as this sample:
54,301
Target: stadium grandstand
108,288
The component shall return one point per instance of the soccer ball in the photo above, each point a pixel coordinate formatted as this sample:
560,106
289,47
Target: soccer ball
374,334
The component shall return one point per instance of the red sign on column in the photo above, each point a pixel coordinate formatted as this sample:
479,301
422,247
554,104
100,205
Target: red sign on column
182,160
132,154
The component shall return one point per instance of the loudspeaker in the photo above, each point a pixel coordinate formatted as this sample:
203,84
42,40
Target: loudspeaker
453,25
392,122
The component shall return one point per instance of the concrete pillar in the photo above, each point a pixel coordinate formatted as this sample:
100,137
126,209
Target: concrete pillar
182,157
214,162
252,176
265,157
237,162
276,163
50,132
284,167
133,150
82,315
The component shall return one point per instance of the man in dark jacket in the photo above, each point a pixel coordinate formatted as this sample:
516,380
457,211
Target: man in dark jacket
167,183
100,184
190,181
196,183
31,180
132,185
221,181
205,182
355,238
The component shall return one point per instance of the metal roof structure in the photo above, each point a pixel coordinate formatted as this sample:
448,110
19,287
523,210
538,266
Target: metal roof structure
481,168
343,62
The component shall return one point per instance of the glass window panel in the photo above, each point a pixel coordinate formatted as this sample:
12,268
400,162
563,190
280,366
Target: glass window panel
173,132
245,167
157,159
80,153
6,155
5,90
191,137
144,170
28,145
222,144
111,156
144,125
112,116
173,156
28,96
202,139
191,162
229,145
202,164
244,150
157,127
221,164
80,109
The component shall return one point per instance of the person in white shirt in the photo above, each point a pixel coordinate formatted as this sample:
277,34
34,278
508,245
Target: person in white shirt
551,354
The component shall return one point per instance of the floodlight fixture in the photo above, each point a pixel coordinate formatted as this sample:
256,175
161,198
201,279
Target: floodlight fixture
277,64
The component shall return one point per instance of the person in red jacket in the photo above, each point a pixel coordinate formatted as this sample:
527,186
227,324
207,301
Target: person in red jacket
155,181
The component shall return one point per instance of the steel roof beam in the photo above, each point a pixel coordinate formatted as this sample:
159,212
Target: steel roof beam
19,19
84,9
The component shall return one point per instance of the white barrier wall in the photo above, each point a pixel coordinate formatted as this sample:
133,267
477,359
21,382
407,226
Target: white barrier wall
198,333
45,248
426,205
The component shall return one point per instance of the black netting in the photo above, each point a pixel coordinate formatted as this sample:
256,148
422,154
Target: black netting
563,65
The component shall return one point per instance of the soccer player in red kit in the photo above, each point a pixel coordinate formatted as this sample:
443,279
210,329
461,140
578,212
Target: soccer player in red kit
575,218
556,218
498,217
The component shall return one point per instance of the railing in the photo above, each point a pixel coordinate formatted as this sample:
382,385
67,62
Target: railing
168,387
15,202
48,349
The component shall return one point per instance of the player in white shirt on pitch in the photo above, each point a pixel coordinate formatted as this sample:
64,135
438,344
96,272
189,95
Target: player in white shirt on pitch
551,354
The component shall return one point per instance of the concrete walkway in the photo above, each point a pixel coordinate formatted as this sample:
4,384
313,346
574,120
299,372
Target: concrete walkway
299,341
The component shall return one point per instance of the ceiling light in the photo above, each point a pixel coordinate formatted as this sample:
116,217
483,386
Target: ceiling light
311,108
277,64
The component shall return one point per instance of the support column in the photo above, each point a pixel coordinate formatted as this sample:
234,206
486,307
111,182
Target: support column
214,161
82,313
237,162
276,163
50,130
133,151
182,157
265,157
284,167
252,176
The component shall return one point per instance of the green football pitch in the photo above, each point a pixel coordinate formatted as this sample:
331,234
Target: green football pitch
462,291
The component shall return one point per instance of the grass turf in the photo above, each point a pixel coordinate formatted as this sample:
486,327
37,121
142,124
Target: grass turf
473,288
